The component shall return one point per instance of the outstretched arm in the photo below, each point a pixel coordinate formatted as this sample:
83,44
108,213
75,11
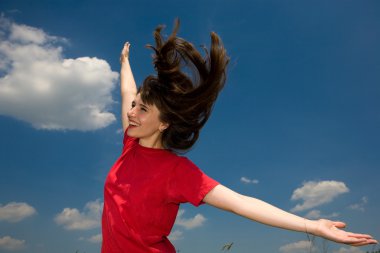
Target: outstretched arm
260,211
127,85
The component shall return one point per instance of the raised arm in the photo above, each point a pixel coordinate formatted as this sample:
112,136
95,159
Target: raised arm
257,210
127,85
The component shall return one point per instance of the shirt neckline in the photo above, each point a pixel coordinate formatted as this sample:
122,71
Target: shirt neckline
151,150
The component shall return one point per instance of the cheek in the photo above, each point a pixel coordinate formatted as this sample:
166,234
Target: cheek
150,121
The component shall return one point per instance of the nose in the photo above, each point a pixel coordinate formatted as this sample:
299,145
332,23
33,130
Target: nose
132,112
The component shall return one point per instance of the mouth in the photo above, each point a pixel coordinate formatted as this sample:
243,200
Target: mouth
133,123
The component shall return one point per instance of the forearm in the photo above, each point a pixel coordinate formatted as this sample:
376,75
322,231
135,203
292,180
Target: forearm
127,81
268,214
257,210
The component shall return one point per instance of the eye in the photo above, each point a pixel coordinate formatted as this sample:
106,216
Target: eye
144,109
133,104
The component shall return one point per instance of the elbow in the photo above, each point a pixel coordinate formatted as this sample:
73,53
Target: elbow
129,93
227,200
238,204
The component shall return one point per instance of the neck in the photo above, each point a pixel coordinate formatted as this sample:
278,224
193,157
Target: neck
152,142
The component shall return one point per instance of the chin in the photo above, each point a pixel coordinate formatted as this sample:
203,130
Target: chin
136,133
132,133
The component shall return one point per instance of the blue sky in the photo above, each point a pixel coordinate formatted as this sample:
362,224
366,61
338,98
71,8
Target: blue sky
297,124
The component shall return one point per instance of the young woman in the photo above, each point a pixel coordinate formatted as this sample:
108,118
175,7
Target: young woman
150,180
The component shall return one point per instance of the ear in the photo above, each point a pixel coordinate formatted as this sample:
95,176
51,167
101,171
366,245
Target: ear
163,126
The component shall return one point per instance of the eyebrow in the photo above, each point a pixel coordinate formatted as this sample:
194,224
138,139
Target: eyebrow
144,105
141,104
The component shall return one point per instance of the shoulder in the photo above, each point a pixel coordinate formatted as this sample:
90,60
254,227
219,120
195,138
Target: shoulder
185,162
128,142
185,167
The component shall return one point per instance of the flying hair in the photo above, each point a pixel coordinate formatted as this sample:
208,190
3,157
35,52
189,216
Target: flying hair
185,87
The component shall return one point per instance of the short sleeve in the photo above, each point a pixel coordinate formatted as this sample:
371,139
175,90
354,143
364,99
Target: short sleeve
128,142
189,183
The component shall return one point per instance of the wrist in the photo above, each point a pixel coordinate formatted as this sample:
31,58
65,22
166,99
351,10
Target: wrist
311,226
124,62
124,59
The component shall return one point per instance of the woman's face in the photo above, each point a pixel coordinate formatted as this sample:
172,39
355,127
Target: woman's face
145,123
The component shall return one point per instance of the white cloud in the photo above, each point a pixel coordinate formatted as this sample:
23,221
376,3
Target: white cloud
120,131
189,223
301,246
360,206
313,214
11,244
15,211
176,235
96,238
316,214
28,34
315,194
349,250
73,219
93,239
246,180
39,86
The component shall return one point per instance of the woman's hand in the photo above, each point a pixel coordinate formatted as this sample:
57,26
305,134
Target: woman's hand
332,230
125,52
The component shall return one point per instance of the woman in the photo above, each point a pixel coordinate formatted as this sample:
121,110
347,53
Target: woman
150,180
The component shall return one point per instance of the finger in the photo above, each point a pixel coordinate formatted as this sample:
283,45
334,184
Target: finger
364,243
358,244
126,46
355,241
359,235
339,224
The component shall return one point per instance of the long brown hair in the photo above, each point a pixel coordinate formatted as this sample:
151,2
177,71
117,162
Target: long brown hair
185,87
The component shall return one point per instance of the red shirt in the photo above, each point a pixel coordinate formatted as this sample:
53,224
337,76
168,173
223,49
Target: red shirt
142,194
